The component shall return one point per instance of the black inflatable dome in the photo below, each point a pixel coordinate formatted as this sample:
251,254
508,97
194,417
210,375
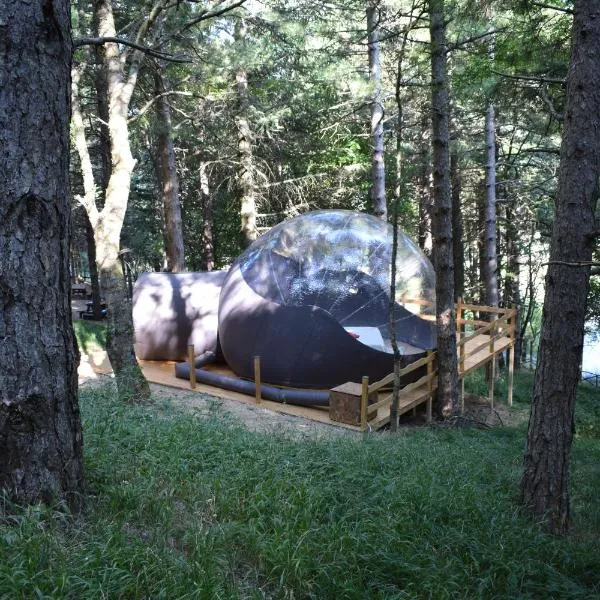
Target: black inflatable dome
311,298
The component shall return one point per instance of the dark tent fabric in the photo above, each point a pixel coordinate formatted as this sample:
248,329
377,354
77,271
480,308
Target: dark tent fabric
311,298
172,310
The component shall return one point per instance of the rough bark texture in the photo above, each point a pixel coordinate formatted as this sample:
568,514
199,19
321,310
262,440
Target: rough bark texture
167,178
245,175
489,266
442,200
377,152
545,481
40,429
458,251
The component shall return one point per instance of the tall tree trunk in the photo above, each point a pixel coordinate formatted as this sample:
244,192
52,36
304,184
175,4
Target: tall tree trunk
208,248
545,481
108,223
245,174
167,178
442,248
89,187
489,266
424,187
458,251
40,428
512,291
377,151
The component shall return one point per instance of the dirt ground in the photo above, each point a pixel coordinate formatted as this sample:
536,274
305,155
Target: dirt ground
254,418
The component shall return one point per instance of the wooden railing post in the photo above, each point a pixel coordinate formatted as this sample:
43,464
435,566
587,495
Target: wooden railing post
492,363
511,354
257,389
364,398
430,384
192,364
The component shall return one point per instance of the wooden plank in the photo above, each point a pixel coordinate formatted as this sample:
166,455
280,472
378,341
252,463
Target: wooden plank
374,387
511,369
364,399
492,381
192,365
163,373
488,309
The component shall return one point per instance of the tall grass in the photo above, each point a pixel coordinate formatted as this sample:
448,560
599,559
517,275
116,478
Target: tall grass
184,507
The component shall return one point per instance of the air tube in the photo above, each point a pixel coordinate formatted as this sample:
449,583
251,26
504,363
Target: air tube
268,392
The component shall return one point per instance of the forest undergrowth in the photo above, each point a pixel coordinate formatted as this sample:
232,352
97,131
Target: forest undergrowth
182,506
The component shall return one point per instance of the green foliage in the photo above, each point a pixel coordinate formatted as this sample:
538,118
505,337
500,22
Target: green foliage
186,507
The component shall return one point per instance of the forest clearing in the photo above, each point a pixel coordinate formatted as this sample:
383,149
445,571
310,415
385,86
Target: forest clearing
294,297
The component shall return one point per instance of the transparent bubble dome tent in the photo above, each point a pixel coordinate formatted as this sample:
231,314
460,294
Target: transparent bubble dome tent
311,298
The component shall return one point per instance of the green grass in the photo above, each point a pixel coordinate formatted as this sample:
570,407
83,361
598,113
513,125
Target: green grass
90,334
184,507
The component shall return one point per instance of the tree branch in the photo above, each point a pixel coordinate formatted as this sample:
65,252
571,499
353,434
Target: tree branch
151,102
567,11
457,45
210,14
548,102
538,78
586,263
99,41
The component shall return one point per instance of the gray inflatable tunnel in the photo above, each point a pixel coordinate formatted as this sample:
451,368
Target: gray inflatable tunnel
173,310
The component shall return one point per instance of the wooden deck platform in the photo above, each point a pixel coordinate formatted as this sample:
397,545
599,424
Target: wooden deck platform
478,344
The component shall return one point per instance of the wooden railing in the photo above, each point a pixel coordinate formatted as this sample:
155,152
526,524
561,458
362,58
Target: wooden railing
501,326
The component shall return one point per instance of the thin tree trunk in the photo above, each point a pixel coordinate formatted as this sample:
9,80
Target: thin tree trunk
208,249
245,175
458,251
167,179
94,277
490,258
89,187
443,259
377,146
545,481
392,323
40,429
512,291
108,223
424,187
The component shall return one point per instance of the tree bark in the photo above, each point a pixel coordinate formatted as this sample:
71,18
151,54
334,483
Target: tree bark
512,291
545,480
442,248
489,266
458,251
40,428
107,224
167,178
245,174
377,146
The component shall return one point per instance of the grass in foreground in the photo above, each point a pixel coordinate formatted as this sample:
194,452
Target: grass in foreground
181,507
